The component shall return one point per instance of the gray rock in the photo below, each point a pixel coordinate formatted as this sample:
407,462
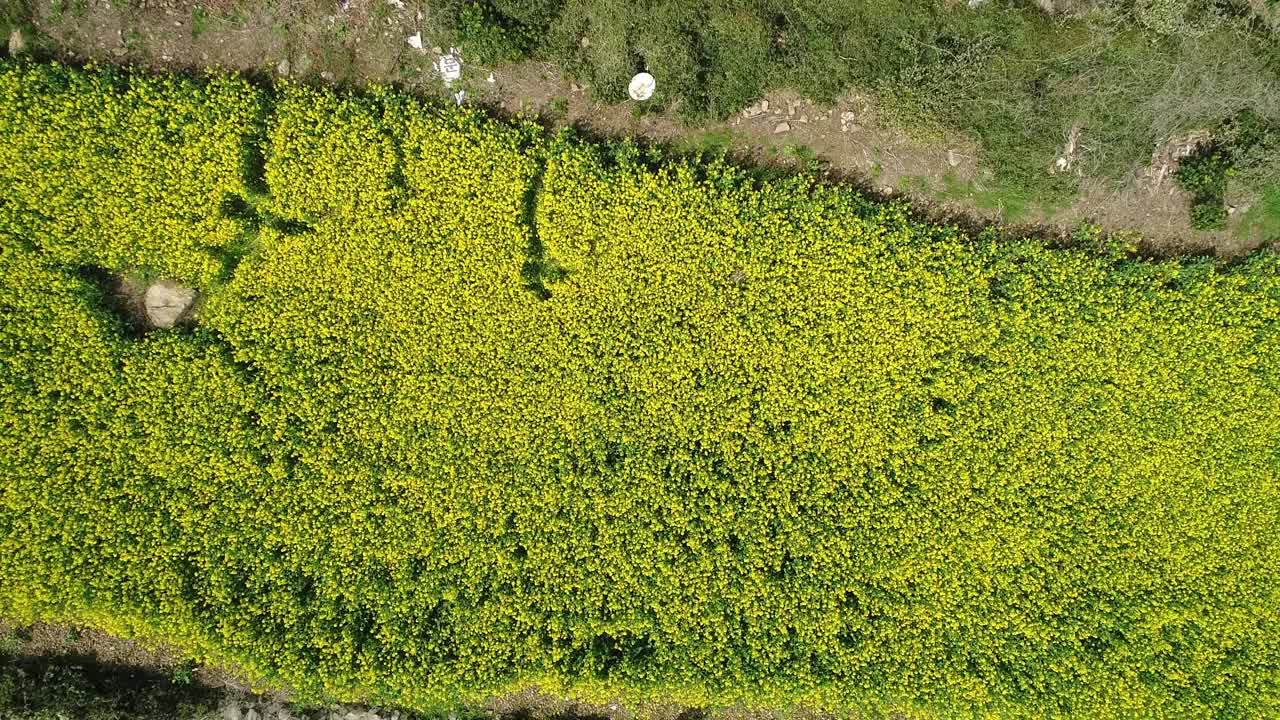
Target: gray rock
252,715
230,710
166,302
953,158
17,43
282,67
781,128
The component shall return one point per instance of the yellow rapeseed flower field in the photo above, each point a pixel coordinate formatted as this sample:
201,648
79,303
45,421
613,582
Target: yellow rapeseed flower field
468,406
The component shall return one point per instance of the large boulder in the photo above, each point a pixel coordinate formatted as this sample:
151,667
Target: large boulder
166,302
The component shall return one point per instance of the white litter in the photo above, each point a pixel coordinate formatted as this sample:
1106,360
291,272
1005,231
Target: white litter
449,66
642,86
415,41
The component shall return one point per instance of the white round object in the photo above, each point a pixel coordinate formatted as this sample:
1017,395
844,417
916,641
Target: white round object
642,86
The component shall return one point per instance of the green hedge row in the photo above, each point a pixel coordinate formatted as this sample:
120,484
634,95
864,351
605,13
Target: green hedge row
467,407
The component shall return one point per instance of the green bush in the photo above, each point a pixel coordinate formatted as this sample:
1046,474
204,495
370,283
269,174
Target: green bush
1208,215
1204,173
759,441
1244,146
487,38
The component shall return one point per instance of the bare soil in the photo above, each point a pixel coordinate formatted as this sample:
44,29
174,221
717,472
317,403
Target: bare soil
365,41
47,640
66,643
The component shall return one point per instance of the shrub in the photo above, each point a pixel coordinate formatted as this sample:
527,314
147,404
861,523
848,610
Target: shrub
1204,173
1208,214
1243,145
760,441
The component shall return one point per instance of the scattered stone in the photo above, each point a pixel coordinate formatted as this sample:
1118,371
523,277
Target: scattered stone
436,49
166,302
782,127
575,87
953,159
282,68
491,79
397,4
803,119
978,3
585,42
415,41
252,714
1231,209
756,110
17,44
326,76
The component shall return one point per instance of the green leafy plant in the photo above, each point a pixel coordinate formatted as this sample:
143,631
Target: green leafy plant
488,41
1208,215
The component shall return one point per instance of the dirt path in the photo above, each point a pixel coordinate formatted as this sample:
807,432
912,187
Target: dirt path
356,42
